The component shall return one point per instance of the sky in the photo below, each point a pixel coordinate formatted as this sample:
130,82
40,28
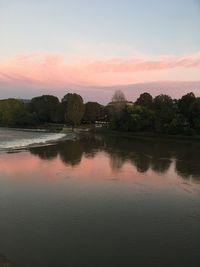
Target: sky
49,46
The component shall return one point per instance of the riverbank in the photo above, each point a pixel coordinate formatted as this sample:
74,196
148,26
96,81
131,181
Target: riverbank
64,129
147,135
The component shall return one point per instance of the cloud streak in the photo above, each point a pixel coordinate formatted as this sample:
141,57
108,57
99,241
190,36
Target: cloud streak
135,65
54,70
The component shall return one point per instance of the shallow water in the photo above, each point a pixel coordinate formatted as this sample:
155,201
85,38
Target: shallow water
101,201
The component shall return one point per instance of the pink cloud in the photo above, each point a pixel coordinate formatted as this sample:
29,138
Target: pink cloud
135,65
53,70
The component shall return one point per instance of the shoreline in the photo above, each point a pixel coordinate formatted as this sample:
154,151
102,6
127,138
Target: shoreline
148,135
64,129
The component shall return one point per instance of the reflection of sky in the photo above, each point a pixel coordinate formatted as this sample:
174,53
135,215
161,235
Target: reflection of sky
51,211
99,167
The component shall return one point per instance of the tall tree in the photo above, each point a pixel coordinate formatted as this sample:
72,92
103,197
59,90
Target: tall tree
195,114
45,107
164,111
145,100
74,108
13,112
185,103
93,111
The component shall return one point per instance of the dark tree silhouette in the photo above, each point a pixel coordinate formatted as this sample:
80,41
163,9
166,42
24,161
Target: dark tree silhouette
74,108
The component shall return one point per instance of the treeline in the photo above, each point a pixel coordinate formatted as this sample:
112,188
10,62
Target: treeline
161,114
48,109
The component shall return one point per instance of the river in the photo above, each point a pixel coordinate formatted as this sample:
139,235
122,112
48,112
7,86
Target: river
100,200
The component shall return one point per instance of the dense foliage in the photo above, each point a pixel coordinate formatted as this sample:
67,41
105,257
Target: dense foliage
13,112
93,112
44,108
74,108
161,114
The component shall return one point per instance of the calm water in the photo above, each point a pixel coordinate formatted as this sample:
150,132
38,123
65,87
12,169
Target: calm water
101,201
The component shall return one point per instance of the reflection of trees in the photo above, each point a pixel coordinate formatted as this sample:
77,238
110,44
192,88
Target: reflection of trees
71,152
160,165
141,162
187,169
91,144
188,161
160,156
116,162
45,152
143,153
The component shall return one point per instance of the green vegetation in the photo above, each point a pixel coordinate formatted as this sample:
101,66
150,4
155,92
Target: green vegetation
44,108
93,112
162,114
14,113
74,108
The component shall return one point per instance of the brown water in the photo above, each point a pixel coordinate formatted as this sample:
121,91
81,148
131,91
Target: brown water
101,201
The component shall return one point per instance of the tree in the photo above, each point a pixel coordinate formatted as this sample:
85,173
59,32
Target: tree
195,114
93,112
45,107
145,100
184,104
13,112
74,108
118,96
136,118
164,112
60,113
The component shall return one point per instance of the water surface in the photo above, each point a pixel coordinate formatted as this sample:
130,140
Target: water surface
101,201
17,138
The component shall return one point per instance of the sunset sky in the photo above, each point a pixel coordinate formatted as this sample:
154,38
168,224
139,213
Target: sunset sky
49,46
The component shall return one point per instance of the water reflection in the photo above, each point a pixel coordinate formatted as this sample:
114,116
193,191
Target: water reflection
71,152
49,220
143,154
116,162
46,153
